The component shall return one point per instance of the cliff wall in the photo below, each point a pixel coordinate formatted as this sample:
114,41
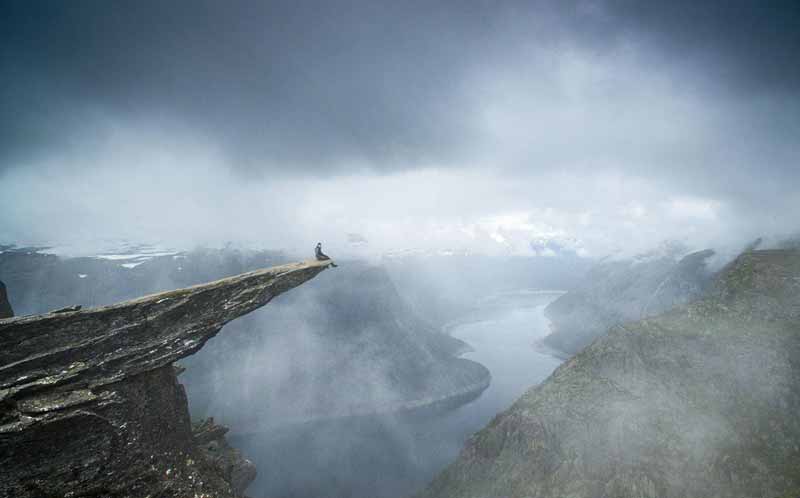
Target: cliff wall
89,400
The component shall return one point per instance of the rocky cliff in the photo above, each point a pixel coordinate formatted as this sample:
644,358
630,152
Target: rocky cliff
619,291
89,400
40,281
356,347
699,401
5,307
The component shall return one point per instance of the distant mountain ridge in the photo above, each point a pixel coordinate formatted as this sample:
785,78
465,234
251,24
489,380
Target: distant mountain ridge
619,291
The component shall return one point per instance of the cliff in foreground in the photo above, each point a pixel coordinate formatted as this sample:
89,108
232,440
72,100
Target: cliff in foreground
89,400
355,346
699,401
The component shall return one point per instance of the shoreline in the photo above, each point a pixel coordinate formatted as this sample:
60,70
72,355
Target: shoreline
487,310
432,404
412,408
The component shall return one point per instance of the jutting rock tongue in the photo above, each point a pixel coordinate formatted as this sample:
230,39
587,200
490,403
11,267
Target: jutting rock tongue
89,400
5,306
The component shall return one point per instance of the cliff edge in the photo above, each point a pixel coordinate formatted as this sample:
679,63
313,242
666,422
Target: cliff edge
90,403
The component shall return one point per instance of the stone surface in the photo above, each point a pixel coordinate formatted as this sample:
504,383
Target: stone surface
5,306
39,282
234,468
699,401
355,346
89,400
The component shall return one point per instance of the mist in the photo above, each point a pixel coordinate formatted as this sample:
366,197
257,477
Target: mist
501,183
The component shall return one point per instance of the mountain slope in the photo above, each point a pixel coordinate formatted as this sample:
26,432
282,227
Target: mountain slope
700,401
614,292
357,349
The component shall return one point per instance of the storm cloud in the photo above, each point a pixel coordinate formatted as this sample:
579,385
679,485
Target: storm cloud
435,124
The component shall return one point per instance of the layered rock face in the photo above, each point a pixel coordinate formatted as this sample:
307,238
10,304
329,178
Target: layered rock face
621,291
39,282
234,468
699,401
355,347
89,400
5,307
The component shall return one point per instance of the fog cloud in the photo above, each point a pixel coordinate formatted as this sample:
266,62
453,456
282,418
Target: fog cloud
466,125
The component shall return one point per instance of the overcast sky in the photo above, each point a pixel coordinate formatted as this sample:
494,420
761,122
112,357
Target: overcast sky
477,125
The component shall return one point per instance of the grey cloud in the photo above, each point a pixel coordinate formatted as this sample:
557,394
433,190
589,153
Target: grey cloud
321,85
308,83
241,100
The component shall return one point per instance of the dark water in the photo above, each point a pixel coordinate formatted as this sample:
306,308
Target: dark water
394,456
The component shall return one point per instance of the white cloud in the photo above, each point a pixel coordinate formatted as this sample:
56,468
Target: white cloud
693,208
600,153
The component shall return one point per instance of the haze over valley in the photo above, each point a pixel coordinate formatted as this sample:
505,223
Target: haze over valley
557,249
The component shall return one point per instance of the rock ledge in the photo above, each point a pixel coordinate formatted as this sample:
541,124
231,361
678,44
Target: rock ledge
89,400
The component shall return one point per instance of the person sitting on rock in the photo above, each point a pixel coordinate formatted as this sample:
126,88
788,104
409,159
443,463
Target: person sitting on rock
321,256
